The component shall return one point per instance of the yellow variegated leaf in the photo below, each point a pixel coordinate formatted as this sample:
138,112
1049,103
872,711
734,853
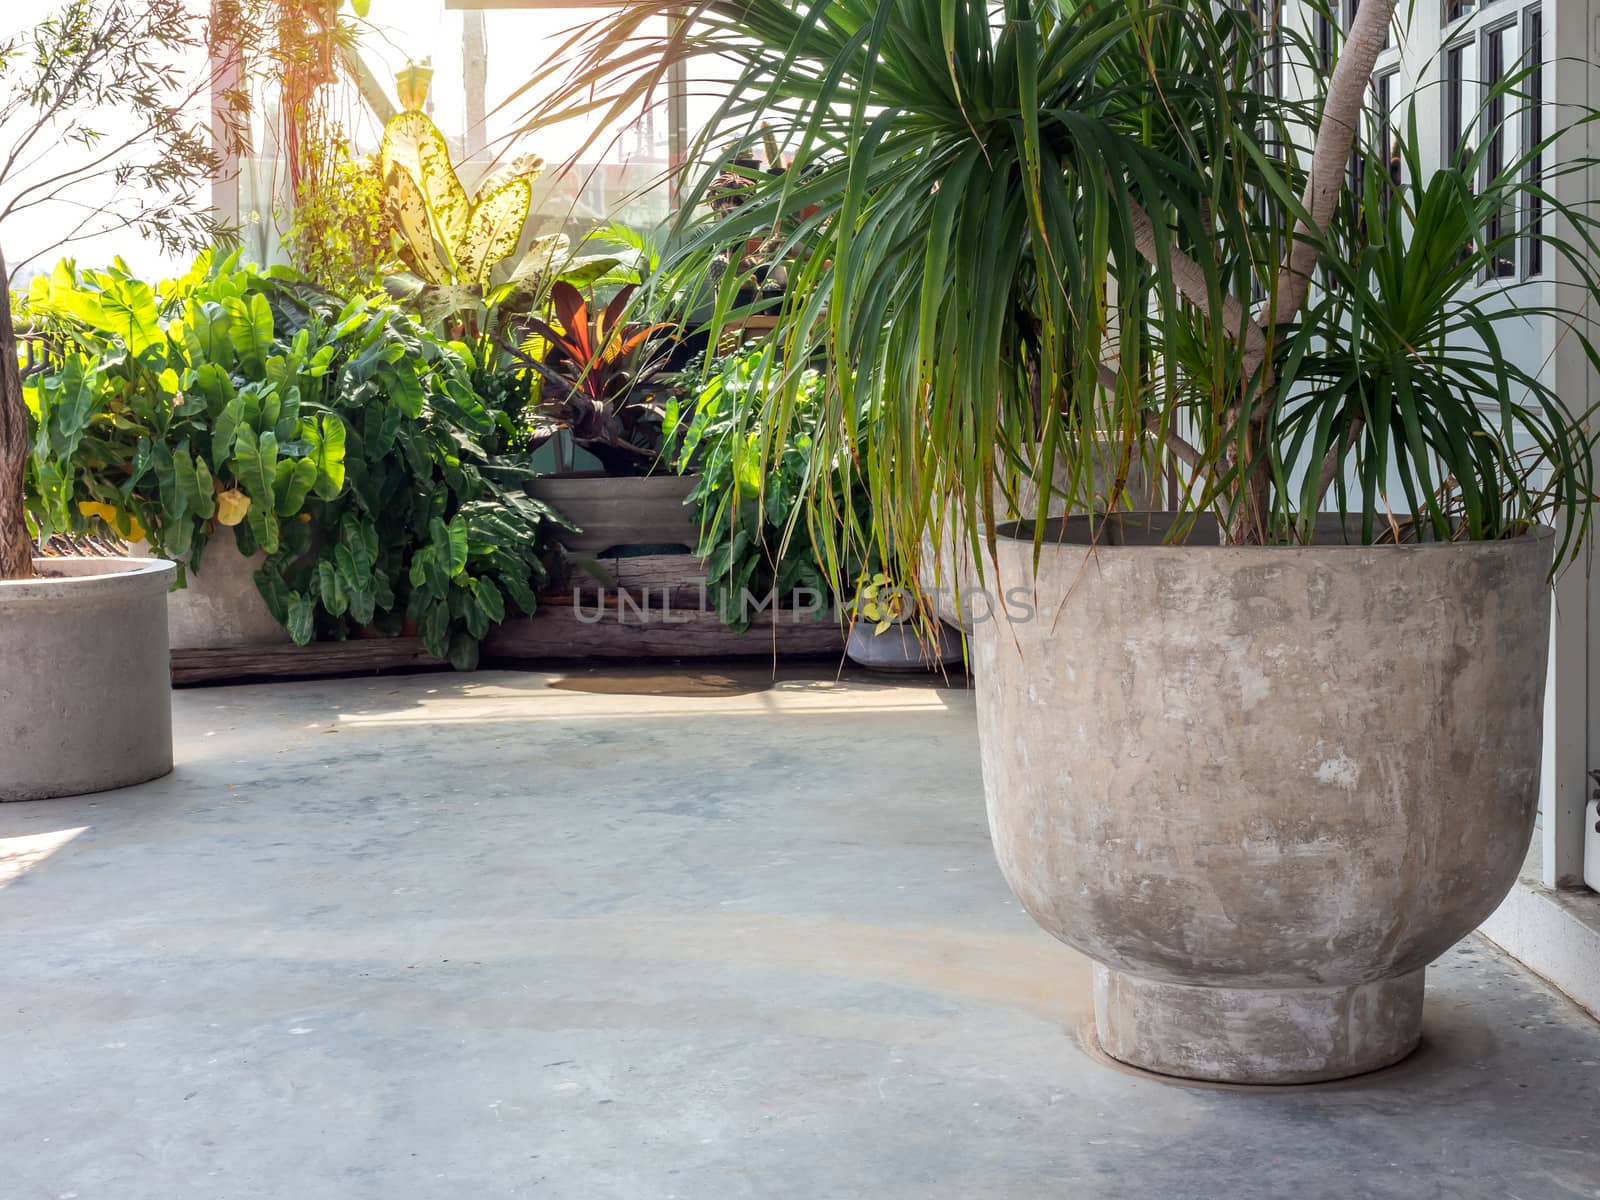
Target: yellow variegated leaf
232,505
413,142
524,166
409,212
493,230
543,254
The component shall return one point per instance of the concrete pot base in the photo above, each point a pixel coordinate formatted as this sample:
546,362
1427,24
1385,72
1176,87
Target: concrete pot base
1257,1035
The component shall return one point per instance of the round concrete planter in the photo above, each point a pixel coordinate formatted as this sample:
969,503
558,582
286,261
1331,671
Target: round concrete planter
1263,787
86,693
903,647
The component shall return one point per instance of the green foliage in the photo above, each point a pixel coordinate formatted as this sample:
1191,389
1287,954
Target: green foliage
1030,234
340,439
157,403
341,233
751,508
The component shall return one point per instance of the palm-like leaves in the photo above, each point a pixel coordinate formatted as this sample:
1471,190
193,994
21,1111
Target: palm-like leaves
1023,232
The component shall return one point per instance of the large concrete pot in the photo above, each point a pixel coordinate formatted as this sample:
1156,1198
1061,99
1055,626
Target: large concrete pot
1263,787
85,692
619,511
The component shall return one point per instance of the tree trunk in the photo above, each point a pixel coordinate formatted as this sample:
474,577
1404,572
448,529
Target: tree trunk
1336,134
16,547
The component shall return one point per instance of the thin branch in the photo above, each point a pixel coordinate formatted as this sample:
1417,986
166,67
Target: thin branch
1190,279
1334,458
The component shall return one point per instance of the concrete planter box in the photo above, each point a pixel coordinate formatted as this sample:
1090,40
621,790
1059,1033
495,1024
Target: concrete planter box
220,607
1263,787
615,511
85,694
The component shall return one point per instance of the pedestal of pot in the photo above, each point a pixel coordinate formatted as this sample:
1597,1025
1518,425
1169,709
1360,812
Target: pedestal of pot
1257,1035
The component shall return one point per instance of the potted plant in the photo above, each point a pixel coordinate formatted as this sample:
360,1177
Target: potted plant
1262,764
84,697
746,502
885,635
602,390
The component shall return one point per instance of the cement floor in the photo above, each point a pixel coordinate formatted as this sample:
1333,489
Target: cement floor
646,935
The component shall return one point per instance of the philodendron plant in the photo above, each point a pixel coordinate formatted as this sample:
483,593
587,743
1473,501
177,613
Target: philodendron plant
172,414
1035,228
340,440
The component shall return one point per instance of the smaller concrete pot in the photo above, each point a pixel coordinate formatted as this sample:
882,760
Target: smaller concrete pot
86,690
900,649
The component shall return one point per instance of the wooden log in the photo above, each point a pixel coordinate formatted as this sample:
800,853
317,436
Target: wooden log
618,627
355,657
679,577
626,630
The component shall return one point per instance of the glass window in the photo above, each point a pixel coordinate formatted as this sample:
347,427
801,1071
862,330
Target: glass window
1533,125
1502,222
1455,10
1456,152
1388,134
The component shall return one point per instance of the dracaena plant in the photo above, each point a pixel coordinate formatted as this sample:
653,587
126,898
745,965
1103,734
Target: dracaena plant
599,377
1037,228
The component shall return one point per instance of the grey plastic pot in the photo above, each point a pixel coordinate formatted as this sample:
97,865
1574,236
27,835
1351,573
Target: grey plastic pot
85,687
1263,787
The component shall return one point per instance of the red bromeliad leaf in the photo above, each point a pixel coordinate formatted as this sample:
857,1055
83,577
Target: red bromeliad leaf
573,314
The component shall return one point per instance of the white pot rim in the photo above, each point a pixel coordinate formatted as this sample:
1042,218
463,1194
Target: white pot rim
75,578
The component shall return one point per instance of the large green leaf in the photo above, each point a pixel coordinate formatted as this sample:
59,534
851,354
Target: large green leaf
328,456
302,622
194,483
129,308
292,481
250,330
255,462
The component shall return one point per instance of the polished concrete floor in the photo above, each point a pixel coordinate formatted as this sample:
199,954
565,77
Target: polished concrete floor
648,935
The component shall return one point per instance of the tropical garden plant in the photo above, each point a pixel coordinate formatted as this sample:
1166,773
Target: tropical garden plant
746,504
340,439
601,377
1040,227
